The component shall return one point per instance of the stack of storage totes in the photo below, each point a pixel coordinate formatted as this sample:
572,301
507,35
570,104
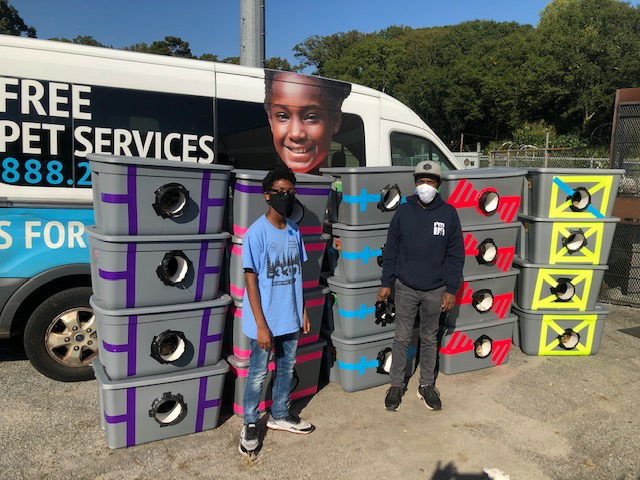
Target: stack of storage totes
156,253
363,202
237,342
564,248
306,373
477,332
248,204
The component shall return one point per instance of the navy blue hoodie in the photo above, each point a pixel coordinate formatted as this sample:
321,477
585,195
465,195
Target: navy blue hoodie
424,246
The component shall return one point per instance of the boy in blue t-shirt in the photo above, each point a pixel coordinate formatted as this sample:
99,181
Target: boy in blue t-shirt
273,313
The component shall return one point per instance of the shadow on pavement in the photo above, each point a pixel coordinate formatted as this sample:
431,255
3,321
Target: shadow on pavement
450,472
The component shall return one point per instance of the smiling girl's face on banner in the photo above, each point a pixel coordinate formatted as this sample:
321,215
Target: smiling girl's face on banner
303,120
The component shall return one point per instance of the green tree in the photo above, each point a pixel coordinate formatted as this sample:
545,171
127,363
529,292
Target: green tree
277,63
11,23
210,57
586,50
170,46
82,40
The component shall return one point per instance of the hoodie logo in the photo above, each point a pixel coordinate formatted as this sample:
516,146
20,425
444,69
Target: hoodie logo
438,228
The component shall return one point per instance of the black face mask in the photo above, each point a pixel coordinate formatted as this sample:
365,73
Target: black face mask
282,202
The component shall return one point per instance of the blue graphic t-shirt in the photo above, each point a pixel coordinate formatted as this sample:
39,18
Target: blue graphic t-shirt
277,257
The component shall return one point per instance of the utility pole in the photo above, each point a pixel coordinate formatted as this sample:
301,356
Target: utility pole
252,33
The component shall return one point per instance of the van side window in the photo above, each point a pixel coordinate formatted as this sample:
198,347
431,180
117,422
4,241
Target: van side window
245,139
409,150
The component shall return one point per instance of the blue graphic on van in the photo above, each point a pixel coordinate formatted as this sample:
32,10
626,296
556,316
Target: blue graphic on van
33,240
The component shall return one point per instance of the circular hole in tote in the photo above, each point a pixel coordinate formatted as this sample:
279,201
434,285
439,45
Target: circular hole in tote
569,339
384,361
488,202
391,199
177,268
482,346
172,200
297,213
565,290
482,301
171,347
580,199
487,252
168,409
575,241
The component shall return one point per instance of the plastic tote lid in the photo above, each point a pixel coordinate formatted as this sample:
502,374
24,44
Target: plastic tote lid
486,173
260,174
154,162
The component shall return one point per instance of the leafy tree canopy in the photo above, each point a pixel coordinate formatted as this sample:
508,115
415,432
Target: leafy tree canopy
11,23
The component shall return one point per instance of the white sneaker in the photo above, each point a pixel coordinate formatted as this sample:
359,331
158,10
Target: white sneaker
291,423
249,439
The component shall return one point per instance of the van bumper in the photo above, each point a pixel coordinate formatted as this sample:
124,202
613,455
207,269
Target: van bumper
8,286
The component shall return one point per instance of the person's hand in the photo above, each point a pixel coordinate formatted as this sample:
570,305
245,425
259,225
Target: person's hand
306,323
383,294
264,338
448,301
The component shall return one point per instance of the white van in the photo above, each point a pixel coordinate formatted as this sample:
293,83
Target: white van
59,102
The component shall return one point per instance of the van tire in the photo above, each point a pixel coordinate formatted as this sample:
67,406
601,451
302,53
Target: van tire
46,323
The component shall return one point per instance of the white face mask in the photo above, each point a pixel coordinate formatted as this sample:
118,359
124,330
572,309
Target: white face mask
426,192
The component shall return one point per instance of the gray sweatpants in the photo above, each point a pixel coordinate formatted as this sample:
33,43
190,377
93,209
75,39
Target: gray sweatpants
408,301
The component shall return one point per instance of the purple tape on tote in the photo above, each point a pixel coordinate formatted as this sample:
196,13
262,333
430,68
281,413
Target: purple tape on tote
203,403
129,198
129,276
206,202
129,418
203,270
129,348
205,338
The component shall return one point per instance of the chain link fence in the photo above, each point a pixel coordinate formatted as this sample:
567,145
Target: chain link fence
581,157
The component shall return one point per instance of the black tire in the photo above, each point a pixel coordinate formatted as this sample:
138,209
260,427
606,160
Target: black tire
38,328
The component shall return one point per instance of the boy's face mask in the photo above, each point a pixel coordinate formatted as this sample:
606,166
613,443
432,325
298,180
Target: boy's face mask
282,202
426,193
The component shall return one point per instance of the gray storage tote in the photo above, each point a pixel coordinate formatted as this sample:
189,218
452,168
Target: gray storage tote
475,346
144,271
140,410
549,332
304,383
145,341
361,363
249,204
566,240
558,287
571,192
484,196
146,196
368,195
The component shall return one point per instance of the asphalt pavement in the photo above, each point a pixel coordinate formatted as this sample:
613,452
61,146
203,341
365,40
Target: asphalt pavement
533,418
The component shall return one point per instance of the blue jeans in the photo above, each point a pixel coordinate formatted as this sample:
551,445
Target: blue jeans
285,348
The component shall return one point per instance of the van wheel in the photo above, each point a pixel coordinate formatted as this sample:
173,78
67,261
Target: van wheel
60,337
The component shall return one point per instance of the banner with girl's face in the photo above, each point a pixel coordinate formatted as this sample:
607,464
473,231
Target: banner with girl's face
304,114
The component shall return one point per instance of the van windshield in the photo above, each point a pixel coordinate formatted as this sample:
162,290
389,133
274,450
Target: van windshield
408,150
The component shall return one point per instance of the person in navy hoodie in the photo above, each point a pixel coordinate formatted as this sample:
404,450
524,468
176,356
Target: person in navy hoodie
423,259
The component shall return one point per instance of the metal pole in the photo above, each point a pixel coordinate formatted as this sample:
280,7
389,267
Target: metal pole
461,141
252,33
546,151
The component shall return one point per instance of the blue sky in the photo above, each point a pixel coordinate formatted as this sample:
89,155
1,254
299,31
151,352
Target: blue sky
213,26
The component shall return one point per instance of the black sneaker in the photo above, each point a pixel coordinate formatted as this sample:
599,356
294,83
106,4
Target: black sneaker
431,397
249,441
393,399
292,423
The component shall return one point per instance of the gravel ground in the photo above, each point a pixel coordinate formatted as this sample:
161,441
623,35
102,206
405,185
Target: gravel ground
534,418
